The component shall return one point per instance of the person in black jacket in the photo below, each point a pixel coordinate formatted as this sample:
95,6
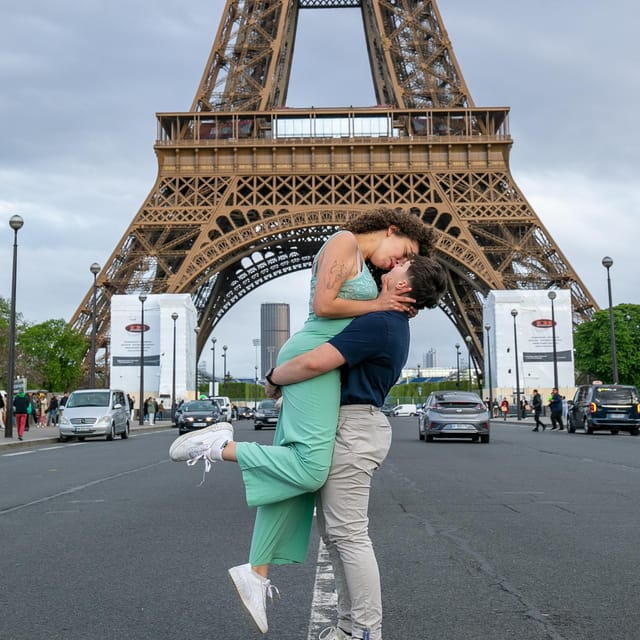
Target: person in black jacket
536,403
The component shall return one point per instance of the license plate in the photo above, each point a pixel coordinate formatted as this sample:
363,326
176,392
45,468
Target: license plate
459,427
82,429
199,424
274,420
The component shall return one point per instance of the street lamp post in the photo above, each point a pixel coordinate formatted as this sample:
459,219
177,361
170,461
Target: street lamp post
607,263
255,388
15,222
95,270
552,296
224,358
487,328
142,297
468,341
174,404
458,365
197,331
514,313
213,367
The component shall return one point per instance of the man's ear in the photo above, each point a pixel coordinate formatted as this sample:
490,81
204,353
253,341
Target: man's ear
392,229
403,284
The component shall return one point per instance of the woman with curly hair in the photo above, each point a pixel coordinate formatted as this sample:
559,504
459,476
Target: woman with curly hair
281,479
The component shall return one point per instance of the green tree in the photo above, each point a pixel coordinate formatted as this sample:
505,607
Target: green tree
592,342
5,315
51,355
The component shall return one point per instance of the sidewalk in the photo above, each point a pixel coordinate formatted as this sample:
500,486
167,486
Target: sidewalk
46,435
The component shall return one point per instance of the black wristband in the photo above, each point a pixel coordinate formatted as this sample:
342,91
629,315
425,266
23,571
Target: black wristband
268,378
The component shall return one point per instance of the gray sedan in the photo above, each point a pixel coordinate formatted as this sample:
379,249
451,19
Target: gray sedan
454,414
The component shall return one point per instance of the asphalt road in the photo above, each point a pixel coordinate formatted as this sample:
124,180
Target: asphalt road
533,536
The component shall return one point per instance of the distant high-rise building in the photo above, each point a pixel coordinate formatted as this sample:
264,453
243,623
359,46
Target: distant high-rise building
431,359
274,332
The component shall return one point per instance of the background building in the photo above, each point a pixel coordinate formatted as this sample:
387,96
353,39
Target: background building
275,329
430,359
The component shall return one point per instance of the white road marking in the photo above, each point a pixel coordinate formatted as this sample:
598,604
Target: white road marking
324,602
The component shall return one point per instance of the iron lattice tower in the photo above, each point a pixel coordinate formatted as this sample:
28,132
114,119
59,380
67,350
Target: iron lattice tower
247,189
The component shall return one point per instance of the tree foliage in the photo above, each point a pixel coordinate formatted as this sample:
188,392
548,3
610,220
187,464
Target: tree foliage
592,343
51,355
5,316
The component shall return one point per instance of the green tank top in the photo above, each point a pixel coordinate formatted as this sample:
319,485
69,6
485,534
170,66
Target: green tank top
361,287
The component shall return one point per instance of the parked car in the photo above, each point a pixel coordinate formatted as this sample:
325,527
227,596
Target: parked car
454,414
597,407
405,410
387,409
197,414
266,414
224,404
95,412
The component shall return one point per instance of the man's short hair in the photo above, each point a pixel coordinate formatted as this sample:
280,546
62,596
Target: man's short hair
428,281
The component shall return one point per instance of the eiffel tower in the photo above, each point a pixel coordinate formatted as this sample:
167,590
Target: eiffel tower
248,189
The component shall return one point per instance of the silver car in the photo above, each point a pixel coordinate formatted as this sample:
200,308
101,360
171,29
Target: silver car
95,412
454,414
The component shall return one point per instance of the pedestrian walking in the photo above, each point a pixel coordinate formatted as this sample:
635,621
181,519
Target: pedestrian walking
555,406
504,407
152,407
52,411
21,407
536,403
2,410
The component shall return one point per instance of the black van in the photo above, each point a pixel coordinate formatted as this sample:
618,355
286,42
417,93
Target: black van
613,407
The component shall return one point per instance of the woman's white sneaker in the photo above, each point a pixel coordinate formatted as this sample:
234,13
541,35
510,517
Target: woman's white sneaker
203,444
253,590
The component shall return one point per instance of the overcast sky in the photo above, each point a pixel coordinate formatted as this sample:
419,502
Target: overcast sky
80,83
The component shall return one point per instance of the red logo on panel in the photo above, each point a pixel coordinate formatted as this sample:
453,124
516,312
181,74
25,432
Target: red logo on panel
543,323
137,328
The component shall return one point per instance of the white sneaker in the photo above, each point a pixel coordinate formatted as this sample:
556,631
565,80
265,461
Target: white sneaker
253,590
203,444
333,633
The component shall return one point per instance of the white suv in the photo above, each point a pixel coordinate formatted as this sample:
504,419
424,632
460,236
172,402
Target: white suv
95,412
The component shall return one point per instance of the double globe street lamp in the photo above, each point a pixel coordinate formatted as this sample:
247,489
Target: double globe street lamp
142,297
174,404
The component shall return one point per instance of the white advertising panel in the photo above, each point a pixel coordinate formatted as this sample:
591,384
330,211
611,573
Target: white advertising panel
530,337
156,338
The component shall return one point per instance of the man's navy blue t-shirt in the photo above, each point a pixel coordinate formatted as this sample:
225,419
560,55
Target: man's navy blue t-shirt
375,347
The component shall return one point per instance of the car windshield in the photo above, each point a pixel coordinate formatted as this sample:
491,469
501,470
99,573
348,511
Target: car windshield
92,399
267,404
616,395
201,405
458,400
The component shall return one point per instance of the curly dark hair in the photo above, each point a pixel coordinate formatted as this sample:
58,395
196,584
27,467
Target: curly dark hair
428,281
408,224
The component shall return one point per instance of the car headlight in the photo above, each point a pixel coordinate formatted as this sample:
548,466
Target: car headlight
65,421
103,421
189,419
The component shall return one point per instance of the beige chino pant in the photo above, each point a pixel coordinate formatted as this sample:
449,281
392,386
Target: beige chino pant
362,442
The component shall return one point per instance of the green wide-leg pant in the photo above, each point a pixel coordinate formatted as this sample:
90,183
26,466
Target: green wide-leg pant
281,479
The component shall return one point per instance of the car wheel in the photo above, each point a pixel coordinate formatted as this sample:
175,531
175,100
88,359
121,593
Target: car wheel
257,427
571,428
429,438
614,432
62,438
633,432
80,438
475,438
420,434
484,439
125,434
112,434
588,428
